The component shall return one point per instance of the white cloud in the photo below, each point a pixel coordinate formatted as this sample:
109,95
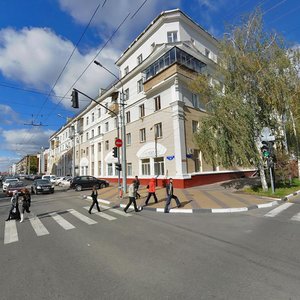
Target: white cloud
7,115
25,141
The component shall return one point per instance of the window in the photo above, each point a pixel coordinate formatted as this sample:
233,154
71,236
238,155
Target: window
92,133
109,170
126,96
129,169
140,86
157,103
194,126
158,130
106,127
99,168
99,112
99,147
106,145
159,167
143,135
128,117
93,168
128,139
126,70
207,53
87,151
87,120
139,59
195,100
146,166
172,36
87,136
99,130
106,105
142,110
116,122
92,149
93,117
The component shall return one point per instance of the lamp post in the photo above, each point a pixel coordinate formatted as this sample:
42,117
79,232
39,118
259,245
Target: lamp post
124,168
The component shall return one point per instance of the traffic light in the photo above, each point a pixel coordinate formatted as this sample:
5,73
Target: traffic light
75,101
115,152
118,167
265,149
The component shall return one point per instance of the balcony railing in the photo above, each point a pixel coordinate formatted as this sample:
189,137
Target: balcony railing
175,55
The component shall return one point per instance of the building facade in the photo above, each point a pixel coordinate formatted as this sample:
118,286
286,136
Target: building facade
155,112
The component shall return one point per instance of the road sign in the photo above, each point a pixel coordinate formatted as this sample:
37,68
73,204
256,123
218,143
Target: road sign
118,142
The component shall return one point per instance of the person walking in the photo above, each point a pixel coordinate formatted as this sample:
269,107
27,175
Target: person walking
151,191
132,196
26,202
14,213
170,195
136,186
94,196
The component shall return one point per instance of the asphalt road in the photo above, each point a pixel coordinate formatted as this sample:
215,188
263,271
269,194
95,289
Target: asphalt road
149,255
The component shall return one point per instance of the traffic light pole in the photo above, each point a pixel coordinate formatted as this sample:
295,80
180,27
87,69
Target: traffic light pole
75,105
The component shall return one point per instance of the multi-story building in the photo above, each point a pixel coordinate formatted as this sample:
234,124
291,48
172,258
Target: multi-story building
161,113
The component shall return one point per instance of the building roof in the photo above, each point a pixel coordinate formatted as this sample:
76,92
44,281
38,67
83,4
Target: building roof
162,14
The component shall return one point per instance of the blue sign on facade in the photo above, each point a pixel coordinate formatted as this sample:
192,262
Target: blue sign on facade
170,157
189,155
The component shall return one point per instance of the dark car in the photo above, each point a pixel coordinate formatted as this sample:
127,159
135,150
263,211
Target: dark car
87,182
42,186
19,186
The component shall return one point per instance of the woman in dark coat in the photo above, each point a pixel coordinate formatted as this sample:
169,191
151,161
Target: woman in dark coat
94,196
26,201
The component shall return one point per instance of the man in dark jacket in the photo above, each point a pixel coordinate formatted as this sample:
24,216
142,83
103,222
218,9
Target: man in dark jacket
170,195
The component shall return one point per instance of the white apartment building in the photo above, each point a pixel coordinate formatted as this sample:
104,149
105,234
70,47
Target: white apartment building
161,113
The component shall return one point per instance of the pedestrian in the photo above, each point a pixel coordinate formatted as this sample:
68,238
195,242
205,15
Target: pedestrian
14,213
136,186
26,202
151,191
170,195
94,196
132,196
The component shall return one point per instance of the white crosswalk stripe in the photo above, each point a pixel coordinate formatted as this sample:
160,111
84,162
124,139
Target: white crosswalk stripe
296,217
10,233
101,214
61,221
116,211
38,226
82,217
274,212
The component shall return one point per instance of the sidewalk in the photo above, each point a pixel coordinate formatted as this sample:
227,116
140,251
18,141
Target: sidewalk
223,197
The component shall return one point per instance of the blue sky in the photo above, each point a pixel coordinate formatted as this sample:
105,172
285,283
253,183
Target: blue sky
37,38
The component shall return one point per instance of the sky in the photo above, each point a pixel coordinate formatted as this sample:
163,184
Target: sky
47,47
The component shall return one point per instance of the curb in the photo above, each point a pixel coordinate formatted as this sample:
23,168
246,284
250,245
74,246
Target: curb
286,198
202,210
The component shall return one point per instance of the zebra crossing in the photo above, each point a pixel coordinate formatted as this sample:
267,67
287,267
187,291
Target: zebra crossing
284,210
11,227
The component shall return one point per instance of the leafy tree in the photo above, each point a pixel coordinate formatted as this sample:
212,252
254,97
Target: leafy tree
255,88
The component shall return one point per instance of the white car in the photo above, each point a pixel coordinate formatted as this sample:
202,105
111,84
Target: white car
7,182
59,180
51,178
66,181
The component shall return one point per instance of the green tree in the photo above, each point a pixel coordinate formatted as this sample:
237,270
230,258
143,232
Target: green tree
254,88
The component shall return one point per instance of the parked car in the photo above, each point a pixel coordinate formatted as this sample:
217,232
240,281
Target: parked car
42,186
87,182
19,186
51,178
7,182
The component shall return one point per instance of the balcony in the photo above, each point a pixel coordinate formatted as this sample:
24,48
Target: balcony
173,61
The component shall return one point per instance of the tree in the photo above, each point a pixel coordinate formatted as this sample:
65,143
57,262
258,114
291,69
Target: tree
252,89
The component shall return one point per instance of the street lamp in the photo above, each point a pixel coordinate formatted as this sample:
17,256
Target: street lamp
76,105
124,169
